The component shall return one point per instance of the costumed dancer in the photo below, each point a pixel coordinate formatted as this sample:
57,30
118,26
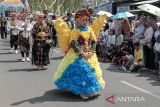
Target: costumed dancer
41,47
25,31
79,71
3,26
14,32
24,11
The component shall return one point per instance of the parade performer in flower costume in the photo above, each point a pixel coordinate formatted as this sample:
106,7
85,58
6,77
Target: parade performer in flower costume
79,71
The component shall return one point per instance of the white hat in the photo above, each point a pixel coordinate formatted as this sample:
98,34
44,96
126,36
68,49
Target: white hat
37,12
158,24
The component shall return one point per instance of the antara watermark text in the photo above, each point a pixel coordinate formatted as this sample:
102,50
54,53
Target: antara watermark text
130,99
113,99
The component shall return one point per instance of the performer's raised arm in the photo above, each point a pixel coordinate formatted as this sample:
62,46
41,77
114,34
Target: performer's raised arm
97,24
63,33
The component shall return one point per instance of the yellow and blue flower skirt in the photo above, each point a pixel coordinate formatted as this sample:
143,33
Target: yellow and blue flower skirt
78,75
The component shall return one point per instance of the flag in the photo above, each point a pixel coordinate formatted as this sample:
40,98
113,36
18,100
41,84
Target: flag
27,5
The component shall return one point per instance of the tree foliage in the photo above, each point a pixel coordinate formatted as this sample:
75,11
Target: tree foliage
56,6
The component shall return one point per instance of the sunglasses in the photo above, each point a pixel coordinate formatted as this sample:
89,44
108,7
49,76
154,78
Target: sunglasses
41,17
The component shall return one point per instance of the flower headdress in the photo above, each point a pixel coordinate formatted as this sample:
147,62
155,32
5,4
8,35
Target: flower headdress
83,14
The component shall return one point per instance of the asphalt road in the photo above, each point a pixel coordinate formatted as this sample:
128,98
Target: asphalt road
21,85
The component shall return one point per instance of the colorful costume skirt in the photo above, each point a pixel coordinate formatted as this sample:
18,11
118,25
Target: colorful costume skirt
40,53
78,75
24,44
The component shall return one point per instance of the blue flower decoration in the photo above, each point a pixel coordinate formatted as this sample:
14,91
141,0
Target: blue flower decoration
79,78
82,28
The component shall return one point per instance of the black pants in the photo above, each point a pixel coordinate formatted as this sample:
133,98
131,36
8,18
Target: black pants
14,41
97,50
149,57
3,32
55,40
27,54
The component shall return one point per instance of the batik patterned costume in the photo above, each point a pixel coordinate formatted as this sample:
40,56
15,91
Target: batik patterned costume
3,26
75,74
40,50
24,36
14,33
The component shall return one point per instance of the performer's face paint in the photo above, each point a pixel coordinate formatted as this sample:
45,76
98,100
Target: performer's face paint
82,21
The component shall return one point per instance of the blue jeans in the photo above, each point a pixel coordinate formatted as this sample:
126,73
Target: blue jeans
157,59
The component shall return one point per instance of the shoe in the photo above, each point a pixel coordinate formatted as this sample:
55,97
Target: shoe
43,68
16,51
119,68
131,68
123,68
128,71
84,97
38,67
154,72
23,59
11,50
113,64
94,95
27,59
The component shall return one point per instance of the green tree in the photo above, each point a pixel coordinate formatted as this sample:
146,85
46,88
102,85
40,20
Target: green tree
60,6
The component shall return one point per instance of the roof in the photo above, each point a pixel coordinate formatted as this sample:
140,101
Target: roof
145,2
135,11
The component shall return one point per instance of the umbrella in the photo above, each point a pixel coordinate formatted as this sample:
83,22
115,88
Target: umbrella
50,14
150,9
122,15
104,12
15,1
11,4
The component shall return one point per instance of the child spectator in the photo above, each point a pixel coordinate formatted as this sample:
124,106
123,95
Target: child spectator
117,55
111,52
138,54
127,60
120,51
124,47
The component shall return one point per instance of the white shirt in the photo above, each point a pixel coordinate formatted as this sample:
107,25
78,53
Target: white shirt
138,32
119,40
131,58
110,40
25,33
14,29
111,25
148,36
